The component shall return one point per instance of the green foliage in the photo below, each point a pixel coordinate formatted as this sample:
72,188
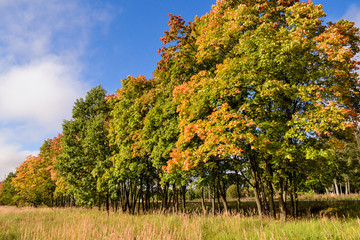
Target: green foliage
7,190
85,147
231,192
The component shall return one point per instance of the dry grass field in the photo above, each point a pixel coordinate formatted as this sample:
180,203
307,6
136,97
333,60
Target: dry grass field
76,223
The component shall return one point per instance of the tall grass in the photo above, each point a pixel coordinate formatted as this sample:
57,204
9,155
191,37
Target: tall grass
45,223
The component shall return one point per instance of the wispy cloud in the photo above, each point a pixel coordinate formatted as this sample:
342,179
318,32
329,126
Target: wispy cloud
41,44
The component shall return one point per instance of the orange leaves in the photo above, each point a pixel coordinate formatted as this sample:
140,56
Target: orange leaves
31,178
179,160
337,42
180,92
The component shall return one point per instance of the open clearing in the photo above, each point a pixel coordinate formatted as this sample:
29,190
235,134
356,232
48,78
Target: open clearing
76,223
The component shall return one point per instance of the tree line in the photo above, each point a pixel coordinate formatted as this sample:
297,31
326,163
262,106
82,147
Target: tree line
262,96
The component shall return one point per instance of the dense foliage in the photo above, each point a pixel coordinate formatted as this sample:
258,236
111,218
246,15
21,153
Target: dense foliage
260,95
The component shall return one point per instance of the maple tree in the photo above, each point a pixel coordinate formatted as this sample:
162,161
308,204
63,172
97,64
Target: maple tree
50,151
161,124
33,183
132,167
282,79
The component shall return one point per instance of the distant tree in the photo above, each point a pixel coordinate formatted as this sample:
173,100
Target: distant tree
7,190
85,148
50,151
33,182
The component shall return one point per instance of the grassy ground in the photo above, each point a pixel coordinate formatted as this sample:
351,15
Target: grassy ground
45,223
310,206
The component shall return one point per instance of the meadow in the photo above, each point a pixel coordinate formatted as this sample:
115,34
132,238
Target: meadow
79,223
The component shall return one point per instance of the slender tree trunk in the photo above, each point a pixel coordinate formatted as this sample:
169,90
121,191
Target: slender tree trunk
340,187
223,199
209,193
296,204
99,203
107,203
269,183
218,198
346,188
169,200
256,188
141,199
127,200
237,192
336,187
285,193
164,197
292,204
282,203
203,200
271,200
184,198
221,190
213,200
295,190
175,199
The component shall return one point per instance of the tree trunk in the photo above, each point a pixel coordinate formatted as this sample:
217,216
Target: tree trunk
203,200
165,197
221,192
256,187
336,187
107,203
346,189
213,200
269,184
237,192
218,198
271,200
282,203
99,203
340,187
183,197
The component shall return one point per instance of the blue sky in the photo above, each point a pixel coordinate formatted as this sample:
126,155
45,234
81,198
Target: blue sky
53,51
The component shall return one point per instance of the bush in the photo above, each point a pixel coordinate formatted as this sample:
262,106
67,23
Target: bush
231,192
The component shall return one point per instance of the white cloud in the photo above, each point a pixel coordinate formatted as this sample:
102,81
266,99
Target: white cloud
11,157
41,44
353,14
42,91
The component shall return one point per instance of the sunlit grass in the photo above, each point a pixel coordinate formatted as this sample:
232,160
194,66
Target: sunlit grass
45,223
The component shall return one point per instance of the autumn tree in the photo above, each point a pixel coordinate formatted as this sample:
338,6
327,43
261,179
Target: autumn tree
132,167
348,167
33,183
7,190
50,152
283,80
176,66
